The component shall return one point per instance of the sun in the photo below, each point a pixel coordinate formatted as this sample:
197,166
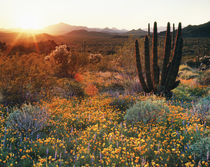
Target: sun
28,22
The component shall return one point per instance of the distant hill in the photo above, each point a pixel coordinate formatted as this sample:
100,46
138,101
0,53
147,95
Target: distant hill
138,32
62,28
84,34
202,30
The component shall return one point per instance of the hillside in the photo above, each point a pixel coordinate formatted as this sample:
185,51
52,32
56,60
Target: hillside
202,30
138,32
84,34
63,28
198,31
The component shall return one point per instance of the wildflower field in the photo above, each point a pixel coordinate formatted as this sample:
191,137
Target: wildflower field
95,132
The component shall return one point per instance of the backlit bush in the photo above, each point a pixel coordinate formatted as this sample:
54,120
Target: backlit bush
23,78
60,60
64,63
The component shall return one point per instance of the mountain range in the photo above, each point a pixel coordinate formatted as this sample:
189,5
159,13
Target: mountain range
63,28
65,31
200,31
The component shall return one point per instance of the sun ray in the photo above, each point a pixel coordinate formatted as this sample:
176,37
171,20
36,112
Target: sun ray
35,43
13,43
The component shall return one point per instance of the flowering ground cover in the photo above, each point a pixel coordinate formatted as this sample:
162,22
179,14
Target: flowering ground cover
94,132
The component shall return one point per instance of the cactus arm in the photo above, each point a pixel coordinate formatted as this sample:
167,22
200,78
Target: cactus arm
149,29
155,57
167,53
139,68
147,64
174,67
173,35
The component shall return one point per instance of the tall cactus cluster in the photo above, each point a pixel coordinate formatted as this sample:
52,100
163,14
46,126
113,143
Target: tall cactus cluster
163,82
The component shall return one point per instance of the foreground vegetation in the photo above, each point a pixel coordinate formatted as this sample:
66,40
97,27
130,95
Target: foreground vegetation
62,109
105,131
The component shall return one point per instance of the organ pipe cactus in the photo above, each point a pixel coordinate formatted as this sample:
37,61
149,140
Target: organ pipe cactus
156,82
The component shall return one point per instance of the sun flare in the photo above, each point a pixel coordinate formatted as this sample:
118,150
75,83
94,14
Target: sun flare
28,22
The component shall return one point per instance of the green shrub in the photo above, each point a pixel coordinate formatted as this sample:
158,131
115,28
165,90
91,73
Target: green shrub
201,149
28,120
146,111
187,93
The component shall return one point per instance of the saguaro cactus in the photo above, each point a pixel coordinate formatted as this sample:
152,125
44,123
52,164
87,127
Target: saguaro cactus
163,83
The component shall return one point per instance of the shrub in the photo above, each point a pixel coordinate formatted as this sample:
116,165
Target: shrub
66,88
202,109
122,104
91,89
204,77
112,88
187,93
22,78
193,63
146,111
60,60
28,120
186,72
201,150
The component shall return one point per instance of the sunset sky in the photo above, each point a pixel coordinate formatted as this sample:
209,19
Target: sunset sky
122,14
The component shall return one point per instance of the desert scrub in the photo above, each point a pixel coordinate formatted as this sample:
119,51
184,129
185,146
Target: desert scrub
112,88
200,150
63,62
67,88
146,111
202,109
186,72
122,104
23,78
188,94
204,77
28,119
